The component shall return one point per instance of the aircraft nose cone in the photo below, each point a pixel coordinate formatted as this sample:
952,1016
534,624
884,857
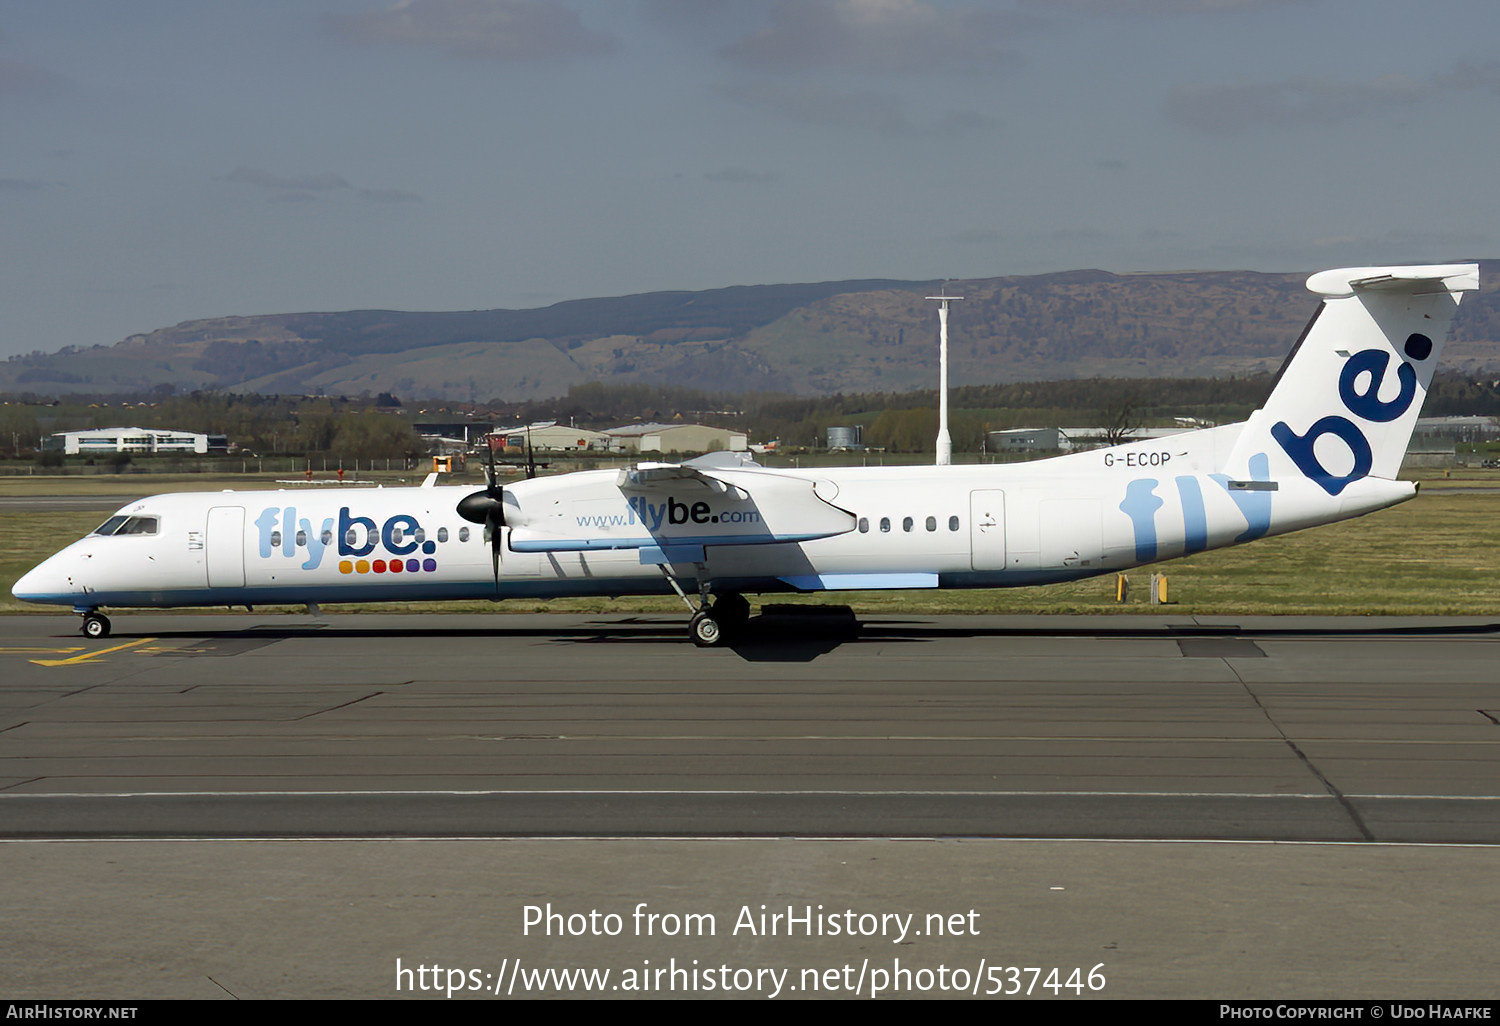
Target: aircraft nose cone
43,583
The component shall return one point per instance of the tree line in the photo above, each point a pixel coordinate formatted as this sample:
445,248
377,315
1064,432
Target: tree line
383,427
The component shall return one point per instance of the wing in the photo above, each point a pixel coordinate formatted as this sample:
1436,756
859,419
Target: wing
671,511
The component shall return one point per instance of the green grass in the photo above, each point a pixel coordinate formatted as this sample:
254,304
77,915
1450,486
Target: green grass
1435,555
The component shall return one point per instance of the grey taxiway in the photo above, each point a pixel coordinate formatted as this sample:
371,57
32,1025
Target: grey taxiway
264,806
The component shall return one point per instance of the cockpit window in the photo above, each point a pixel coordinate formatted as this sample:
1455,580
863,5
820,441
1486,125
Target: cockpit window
111,525
140,525
129,525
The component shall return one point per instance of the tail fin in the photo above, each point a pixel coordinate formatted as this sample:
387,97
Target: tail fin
1347,398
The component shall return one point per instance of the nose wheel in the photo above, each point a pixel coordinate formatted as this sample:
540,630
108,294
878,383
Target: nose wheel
95,625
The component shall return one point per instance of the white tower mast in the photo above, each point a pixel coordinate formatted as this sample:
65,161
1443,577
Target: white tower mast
944,440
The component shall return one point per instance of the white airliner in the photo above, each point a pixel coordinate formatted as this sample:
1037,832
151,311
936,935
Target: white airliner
1327,445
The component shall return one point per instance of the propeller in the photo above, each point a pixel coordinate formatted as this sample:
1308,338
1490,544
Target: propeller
487,507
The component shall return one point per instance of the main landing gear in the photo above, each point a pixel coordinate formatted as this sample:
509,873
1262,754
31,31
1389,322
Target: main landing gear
717,621
721,622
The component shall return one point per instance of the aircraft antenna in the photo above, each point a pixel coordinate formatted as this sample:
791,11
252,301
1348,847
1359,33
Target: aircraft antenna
944,440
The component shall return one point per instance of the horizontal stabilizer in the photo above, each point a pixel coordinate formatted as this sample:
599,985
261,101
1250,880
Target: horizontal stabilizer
1416,280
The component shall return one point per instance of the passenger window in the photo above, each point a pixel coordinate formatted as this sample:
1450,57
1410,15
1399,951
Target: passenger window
327,536
953,523
419,535
275,539
351,538
301,539
864,525
932,523
397,534
885,525
906,525
463,534
442,534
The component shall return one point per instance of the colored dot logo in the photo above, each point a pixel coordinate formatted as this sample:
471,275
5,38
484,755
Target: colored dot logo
381,566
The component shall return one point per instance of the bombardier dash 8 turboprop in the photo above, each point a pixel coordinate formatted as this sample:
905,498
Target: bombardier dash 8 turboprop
1326,445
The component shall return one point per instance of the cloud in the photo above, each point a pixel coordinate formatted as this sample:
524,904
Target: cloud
1308,101
1295,102
1465,75
1405,240
868,111
741,176
690,13
388,196
1138,7
500,30
879,36
299,184
307,188
1074,235
978,237
18,78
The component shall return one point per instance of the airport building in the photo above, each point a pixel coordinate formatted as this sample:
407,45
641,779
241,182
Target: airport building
675,438
104,441
1025,440
550,436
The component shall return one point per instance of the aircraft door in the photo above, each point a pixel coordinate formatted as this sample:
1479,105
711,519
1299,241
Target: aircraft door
987,529
226,547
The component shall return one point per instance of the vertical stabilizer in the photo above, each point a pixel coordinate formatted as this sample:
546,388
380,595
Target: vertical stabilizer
1347,399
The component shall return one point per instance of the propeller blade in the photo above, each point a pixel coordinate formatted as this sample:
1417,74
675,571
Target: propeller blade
489,461
492,531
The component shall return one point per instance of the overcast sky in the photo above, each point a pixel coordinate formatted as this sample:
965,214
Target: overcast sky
162,160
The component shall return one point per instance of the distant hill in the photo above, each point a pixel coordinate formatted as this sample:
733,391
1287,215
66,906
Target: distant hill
812,339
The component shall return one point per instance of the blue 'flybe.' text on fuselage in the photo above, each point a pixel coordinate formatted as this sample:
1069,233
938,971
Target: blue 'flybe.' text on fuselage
281,528
1142,502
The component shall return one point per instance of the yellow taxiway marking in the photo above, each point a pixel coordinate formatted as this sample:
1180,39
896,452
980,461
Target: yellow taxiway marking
74,648
175,647
92,655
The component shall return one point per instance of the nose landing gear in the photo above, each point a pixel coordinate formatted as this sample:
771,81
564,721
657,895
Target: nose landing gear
95,624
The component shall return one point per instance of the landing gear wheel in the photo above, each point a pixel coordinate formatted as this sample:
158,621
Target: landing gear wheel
732,610
95,625
705,630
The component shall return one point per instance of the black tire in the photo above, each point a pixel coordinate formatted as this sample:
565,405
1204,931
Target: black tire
705,631
95,625
732,610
